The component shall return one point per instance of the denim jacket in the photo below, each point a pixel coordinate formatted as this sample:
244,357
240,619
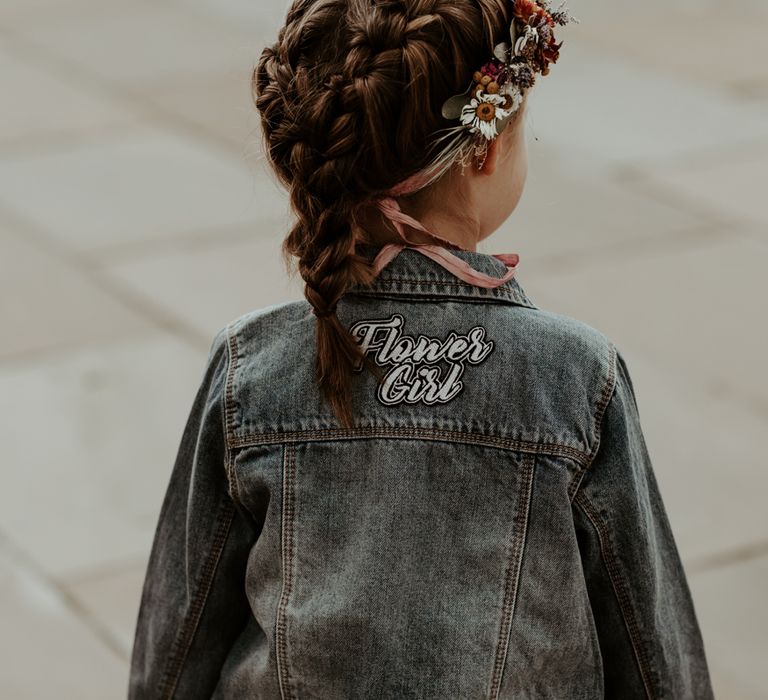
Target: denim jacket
490,528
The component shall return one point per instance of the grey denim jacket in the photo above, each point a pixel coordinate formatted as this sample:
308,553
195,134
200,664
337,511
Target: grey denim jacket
491,528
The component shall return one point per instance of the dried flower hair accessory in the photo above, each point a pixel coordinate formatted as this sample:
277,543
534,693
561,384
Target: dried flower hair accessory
497,89
496,93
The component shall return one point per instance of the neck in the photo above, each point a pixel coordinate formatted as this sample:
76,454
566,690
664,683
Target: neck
449,222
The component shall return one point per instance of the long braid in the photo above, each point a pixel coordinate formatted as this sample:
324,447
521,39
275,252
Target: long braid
349,97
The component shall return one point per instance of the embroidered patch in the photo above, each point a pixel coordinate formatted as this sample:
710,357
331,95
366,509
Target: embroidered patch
423,369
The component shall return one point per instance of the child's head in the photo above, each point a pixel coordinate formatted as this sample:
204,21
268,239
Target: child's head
350,99
466,204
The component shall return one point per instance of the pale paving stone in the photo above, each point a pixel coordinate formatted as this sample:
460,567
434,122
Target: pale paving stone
138,44
735,182
700,311
754,90
209,287
39,104
591,9
734,619
223,106
563,211
263,19
147,183
601,110
686,40
89,438
12,7
47,304
16,10
112,598
47,651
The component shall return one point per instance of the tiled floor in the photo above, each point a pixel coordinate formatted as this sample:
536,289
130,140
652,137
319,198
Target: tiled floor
136,218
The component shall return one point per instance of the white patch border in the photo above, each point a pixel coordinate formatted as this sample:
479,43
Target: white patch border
457,367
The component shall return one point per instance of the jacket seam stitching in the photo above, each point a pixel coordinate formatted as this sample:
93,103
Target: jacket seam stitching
442,283
602,404
458,291
183,642
287,551
512,576
431,433
233,352
620,589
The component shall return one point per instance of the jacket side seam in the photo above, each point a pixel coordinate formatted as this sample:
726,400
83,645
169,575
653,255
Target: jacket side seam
287,551
183,642
602,404
327,434
512,578
620,589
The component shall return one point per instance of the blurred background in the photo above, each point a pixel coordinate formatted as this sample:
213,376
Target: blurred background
137,218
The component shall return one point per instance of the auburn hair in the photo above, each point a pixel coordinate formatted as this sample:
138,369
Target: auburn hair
350,101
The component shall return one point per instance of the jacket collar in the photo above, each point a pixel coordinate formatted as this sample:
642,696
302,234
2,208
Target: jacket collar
415,275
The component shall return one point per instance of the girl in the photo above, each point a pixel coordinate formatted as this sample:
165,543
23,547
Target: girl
415,483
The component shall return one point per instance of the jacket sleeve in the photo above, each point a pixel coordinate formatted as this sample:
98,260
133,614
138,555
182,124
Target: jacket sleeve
193,603
647,629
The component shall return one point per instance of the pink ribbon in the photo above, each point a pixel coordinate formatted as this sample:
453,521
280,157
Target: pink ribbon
454,264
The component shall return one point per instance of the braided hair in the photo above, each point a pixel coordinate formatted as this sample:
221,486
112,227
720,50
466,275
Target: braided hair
349,98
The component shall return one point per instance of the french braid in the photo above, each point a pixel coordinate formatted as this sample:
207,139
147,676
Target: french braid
349,98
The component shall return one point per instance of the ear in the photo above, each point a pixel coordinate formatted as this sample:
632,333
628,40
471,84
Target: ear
492,156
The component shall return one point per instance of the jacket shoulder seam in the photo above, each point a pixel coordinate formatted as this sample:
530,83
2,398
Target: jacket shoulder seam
233,356
597,419
605,398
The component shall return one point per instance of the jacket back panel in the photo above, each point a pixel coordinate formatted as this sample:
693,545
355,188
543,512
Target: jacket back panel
390,562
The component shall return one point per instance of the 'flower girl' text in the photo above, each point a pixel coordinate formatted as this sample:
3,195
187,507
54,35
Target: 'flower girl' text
421,369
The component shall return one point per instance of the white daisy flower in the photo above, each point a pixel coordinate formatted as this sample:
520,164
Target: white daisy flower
513,97
483,113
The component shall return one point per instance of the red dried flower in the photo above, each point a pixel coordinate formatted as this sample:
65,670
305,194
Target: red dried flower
551,52
527,9
523,9
492,68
